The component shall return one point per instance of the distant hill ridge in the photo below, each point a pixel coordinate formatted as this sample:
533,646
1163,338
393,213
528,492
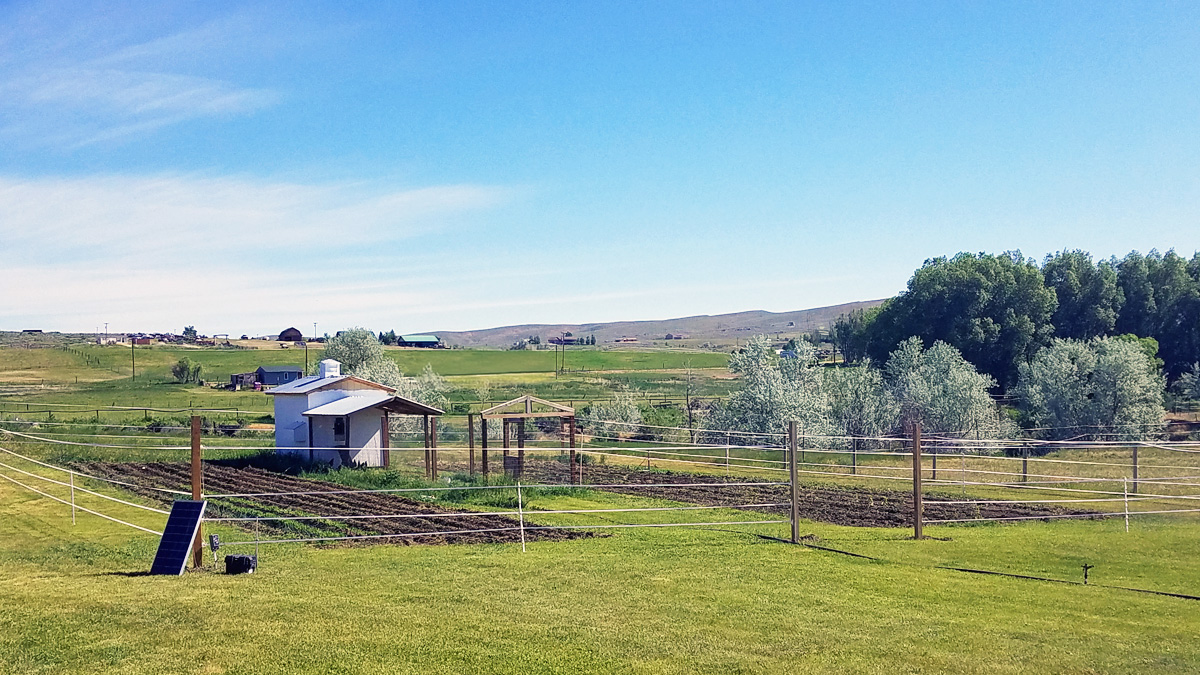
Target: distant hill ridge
718,328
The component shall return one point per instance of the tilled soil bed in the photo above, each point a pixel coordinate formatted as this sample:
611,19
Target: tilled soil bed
857,506
320,499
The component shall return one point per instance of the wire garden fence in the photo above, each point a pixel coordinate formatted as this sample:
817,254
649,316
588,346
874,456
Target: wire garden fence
468,494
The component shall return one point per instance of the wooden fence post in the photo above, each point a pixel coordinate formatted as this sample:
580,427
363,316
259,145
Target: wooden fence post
433,447
425,428
918,499
385,440
471,445
1135,469
520,447
1024,464
795,488
197,480
483,445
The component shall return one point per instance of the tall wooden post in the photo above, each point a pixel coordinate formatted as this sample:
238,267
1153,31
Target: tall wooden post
1135,469
483,438
934,453
1024,464
385,440
425,429
470,445
576,472
918,503
520,446
794,485
197,485
433,448
505,422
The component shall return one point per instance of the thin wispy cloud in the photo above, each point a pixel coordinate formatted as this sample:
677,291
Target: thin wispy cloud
142,218
68,87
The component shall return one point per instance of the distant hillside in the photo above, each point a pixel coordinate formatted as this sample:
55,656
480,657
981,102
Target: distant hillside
717,330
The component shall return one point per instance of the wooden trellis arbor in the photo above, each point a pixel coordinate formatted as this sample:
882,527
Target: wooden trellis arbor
512,415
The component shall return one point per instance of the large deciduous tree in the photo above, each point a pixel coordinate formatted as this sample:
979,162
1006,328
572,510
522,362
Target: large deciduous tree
1089,299
775,391
860,402
944,392
995,309
1099,388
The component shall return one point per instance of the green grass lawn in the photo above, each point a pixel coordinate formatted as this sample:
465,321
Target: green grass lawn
642,601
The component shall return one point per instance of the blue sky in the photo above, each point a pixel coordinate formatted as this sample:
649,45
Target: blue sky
446,166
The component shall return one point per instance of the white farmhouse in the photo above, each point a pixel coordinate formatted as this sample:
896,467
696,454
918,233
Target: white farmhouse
338,418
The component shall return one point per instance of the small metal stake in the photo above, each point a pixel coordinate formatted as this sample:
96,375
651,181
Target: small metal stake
1085,573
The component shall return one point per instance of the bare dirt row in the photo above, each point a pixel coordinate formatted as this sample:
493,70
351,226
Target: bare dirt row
322,499
856,506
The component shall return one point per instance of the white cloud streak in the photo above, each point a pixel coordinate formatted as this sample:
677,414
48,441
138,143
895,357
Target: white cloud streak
69,88
157,249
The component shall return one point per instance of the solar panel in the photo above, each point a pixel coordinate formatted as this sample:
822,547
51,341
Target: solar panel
176,542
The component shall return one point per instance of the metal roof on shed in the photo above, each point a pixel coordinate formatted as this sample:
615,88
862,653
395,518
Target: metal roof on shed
352,404
419,338
349,405
280,369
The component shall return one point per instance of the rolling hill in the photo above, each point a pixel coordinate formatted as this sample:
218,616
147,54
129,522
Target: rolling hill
718,329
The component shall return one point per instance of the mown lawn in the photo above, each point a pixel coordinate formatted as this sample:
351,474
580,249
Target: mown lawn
639,601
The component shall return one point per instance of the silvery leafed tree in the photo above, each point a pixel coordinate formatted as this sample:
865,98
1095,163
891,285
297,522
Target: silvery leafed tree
942,390
1105,388
774,392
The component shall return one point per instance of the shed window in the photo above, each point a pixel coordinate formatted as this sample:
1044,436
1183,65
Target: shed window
339,432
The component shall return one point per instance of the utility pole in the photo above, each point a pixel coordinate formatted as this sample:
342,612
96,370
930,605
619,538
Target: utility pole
105,332
133,356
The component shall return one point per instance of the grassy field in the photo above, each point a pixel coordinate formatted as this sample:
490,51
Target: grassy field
91,376
655,600
643,601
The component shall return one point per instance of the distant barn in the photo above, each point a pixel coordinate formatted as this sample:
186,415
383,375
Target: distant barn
427,341
291,335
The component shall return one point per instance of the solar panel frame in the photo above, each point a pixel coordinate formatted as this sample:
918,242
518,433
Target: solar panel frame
176,544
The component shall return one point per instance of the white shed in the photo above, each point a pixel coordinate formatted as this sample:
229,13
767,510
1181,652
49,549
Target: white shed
338,418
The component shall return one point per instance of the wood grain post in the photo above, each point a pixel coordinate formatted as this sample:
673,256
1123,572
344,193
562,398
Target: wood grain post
933,450
385,441
1024,464
471,445
433,462
425,429
197,486
520,447
483,439
1135,469
794,485
576,472
918,499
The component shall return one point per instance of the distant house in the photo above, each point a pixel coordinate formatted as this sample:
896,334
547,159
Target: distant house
273,376
338,418
626,339
426,341
141,340
565,341
291,335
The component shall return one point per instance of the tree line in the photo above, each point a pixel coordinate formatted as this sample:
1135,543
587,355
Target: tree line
1001,310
